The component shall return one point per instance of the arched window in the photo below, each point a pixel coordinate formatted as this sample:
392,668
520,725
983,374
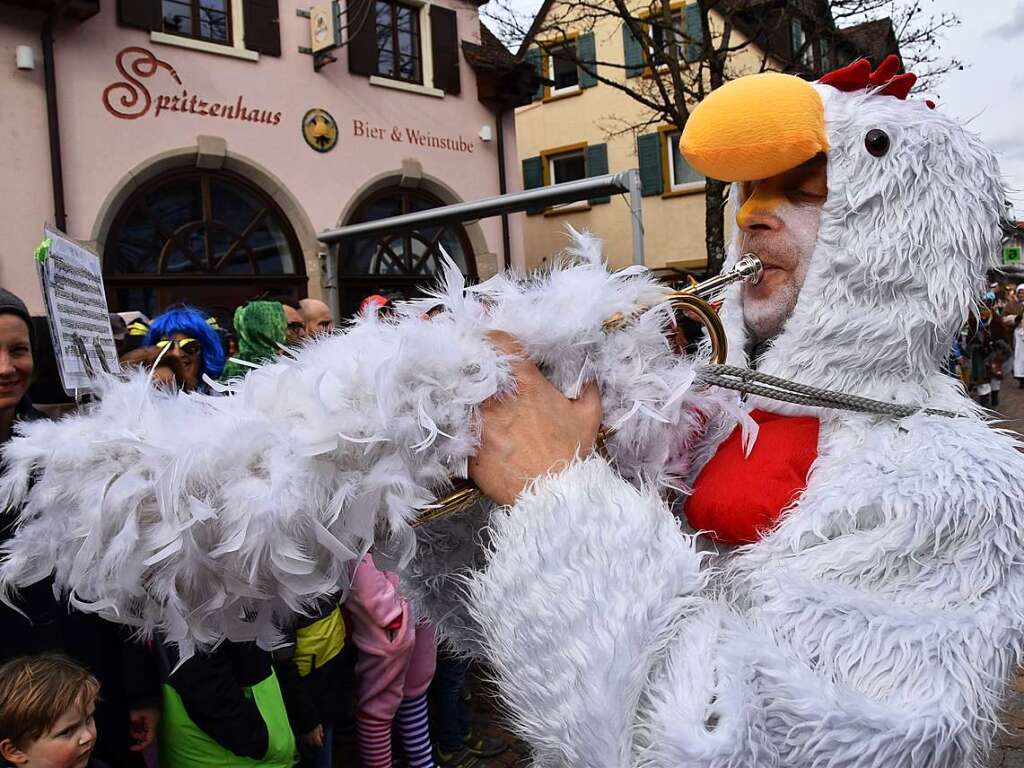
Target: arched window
209,238
398,265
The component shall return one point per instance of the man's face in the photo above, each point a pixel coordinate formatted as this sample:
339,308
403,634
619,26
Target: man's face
779,218
296,327
317,316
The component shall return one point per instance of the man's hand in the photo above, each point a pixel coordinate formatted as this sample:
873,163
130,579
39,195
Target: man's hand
143,727
528,435
314,738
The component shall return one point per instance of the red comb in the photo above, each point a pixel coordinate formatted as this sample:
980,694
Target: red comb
858,76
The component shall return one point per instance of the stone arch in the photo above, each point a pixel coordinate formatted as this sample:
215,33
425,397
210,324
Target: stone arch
411,176
211,153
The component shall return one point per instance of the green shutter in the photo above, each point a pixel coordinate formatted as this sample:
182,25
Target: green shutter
597,165
634,53
694,27
533,177
586,52
796,34
533,57
648,150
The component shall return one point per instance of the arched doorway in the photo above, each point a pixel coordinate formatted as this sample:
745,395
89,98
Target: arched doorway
206,237
398,265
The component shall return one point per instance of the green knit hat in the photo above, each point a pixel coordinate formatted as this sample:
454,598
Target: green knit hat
260,327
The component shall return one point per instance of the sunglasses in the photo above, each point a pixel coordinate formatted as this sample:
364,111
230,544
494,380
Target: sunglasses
296,327
187,346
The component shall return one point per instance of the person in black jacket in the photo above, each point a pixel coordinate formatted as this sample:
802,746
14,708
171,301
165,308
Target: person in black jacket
128,713
223,709
315,667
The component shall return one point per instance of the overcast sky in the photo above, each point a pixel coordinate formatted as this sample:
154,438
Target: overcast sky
989,92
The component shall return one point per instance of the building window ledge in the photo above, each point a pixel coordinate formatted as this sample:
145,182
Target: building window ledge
691,188
401,85
565,93
205,46
558,210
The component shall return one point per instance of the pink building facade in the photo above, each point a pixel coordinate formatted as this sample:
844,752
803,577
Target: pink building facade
201,154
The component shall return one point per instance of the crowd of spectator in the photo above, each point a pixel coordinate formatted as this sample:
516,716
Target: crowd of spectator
989,343
359,669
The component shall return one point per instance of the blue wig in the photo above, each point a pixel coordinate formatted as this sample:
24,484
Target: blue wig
191,322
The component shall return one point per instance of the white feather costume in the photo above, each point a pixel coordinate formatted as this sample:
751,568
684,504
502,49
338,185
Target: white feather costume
219,517
878,623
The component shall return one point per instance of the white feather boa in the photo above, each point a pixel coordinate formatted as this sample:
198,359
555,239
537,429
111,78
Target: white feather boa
218,517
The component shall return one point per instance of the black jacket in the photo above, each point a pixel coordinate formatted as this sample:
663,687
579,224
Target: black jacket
127,671
211,686
321,697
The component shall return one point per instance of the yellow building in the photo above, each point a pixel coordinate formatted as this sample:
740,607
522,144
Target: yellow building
581,125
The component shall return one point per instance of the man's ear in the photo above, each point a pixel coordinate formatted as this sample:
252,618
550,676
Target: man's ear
11,753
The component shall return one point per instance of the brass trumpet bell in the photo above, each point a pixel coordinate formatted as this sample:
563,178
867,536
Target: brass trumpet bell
691,301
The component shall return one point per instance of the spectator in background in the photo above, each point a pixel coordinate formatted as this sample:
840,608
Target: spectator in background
47,707
317,317
223,708
261,328
296,325
312,666
39,622
119,330
1014,306
183,346
393,671
376,303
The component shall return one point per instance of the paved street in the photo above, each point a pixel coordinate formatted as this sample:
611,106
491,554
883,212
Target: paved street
1011,405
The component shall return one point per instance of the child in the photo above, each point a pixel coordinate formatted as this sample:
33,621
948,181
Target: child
46,713
394,668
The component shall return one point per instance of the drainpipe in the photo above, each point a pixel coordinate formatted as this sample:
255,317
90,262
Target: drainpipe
503,189
56,166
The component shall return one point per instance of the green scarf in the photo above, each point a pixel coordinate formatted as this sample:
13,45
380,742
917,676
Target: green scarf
260,326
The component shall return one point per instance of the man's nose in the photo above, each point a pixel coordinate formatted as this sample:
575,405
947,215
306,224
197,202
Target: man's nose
759,211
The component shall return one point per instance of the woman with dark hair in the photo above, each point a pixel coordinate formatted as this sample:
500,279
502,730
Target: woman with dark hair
127,714
183,346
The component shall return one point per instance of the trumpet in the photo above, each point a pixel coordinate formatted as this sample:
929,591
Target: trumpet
690,301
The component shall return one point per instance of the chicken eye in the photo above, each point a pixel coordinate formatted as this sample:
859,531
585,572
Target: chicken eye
877,142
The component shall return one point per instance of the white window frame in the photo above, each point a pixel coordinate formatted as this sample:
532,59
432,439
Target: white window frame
236,50
676,13
553,91
807,57
550,161
671,140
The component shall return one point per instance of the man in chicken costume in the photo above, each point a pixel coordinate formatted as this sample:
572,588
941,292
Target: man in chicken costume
863,604
856,596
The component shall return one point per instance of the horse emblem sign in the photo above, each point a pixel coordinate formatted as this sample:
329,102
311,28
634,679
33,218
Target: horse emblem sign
319,130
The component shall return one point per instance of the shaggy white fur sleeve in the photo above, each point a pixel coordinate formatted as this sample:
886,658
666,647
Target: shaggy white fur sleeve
586,579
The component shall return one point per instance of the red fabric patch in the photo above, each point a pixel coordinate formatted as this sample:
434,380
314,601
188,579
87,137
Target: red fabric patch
736,498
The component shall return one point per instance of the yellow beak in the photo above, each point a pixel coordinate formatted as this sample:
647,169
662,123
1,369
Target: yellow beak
755,127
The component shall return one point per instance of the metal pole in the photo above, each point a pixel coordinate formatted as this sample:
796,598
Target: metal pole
555,194
50,80
637,216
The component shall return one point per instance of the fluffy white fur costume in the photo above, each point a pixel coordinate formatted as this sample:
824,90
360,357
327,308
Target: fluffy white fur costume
219,517
878,623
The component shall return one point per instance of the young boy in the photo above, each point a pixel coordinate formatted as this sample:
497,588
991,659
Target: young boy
46,713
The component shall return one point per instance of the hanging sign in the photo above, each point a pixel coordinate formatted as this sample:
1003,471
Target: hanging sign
1012,255
324,31
76,308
